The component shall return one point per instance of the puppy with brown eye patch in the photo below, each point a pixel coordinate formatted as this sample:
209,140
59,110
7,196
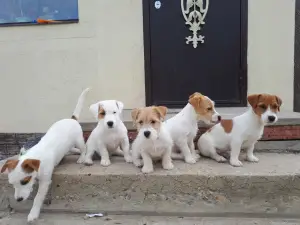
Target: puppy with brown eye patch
183,127
153,141
110,136
38,162
241,132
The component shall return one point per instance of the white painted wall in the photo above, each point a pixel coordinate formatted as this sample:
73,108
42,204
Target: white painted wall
43,69
271,28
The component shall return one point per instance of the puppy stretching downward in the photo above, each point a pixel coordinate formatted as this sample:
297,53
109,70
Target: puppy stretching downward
39,161
242,132
153,140
109,135
183,127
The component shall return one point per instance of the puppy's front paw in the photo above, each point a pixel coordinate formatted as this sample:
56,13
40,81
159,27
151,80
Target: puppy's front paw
168,166
80,160
252,158
196,157
88,162
128,159
236,163
138,163
32,217
190,160
147,169
105,162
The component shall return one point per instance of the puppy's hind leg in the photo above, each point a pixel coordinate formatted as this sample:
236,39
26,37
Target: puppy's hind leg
207,149
185,150
80,145
74,151
87,153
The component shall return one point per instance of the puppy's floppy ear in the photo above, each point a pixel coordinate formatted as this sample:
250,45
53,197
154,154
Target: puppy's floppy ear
135,113
120,106
161,110
195,99
193,95
30,165
279,102
10,164
94,109
253,100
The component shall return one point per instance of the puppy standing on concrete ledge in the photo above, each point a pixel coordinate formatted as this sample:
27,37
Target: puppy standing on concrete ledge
242,132
38,162
153,140
109,135
183,127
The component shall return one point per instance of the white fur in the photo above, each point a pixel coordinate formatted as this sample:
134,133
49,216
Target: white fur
183,129
61,137
107,140
246,131
157,146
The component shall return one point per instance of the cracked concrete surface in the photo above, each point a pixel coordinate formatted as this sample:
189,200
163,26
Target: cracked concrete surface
207,188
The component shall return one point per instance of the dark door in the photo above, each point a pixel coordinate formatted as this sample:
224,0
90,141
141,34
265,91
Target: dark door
216,68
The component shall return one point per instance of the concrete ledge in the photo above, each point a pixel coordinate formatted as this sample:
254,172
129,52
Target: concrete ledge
285,118
206,188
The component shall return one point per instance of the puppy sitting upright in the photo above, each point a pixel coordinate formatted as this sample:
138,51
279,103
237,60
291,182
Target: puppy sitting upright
183,127
109,135
39,161
242,132
153,140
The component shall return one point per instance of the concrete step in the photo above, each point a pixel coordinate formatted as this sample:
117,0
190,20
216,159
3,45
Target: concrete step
79,219
270,187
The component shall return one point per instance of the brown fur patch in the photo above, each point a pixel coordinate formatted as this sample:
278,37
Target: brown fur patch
73,117
152,116
261,102
30,165
202,105
101,112
227,125
10,165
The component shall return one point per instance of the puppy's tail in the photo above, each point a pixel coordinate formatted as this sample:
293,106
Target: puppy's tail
79,105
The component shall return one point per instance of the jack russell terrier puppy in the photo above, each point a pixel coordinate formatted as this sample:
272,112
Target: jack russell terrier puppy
153,141
109,135
242,132
39,162
183,127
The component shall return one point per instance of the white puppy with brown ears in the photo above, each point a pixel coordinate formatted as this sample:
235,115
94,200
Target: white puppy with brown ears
153,140
242,132
39,162
183,127
109,135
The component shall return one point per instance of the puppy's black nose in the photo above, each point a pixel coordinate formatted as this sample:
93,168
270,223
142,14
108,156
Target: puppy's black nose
219,118
147,133
19,199
271,118
110,123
